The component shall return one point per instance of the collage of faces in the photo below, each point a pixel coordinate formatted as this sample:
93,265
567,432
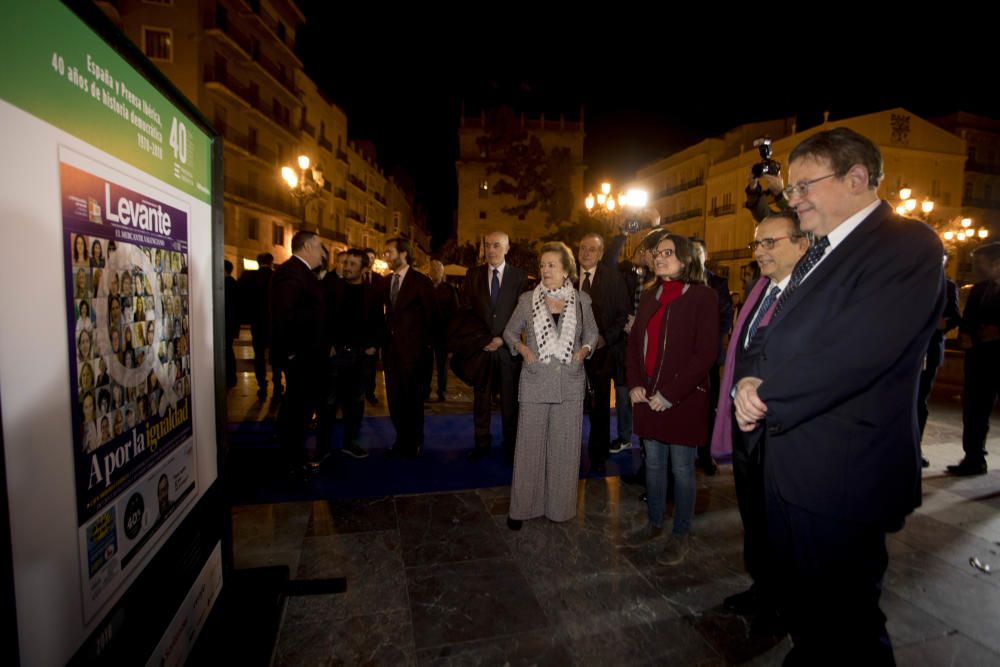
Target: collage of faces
131,335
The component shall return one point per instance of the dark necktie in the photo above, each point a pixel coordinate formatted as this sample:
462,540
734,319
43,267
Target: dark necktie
495,287
586,282
394,290
761,313
803,267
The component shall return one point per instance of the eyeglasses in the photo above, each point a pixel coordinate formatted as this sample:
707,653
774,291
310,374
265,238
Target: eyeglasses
666,252
768,243
802,188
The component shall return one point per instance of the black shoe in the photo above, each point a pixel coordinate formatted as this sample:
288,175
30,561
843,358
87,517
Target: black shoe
514,524
968,467
372,399
477,454
924,463
746,603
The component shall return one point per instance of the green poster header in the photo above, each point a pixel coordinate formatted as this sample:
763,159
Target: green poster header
60,71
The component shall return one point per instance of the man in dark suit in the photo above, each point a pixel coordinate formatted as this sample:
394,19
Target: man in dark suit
830,385
255,292
979,336
721,287
778,245
489,296
612,304
409,318
297,341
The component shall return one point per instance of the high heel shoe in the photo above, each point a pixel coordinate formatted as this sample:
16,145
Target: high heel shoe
514,524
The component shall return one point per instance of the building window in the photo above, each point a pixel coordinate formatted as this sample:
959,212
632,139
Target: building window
935,188
396,220
253,229
520,216
278,234
484,189
158,43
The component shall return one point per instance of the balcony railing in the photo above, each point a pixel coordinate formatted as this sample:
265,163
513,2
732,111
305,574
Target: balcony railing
249,145
234,85
340,193
725,209
216,21
379,197
354,215
357,182
674,189
275,202
283,77
683,215
325,143
342,156
307,128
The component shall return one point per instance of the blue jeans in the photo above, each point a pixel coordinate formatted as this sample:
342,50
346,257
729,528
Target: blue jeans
623,411
681,460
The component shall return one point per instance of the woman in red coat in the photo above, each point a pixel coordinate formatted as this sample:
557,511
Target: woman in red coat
671,348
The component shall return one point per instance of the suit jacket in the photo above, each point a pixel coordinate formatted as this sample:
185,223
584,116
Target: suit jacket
351,324
840,363
446,298
551,381
255,289
689,337
297,312
721,287
476,300
612,304
409,322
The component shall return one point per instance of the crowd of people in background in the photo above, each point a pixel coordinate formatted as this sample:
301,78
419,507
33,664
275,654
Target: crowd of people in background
814,378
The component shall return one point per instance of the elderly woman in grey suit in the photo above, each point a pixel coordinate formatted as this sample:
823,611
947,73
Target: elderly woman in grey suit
553,328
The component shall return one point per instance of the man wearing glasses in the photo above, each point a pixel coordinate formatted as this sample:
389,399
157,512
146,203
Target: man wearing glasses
829,386
778,245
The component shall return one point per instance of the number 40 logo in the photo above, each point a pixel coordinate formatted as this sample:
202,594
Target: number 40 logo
178,140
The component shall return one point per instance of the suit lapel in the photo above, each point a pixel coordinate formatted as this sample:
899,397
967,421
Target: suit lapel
838,259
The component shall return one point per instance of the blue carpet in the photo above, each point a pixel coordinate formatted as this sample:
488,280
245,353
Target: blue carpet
256,474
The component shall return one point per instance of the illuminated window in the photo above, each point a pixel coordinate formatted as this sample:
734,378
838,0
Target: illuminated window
158,43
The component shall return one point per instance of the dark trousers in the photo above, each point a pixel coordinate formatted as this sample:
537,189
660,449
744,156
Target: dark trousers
748,474
831,579
927,377
370,370
260,345
982,388
600,371
502,376
437,360
230,363
404,388
304,383
345,387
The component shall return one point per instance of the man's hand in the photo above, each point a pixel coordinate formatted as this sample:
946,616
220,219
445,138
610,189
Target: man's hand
600,341
494,344
657,403
774,183
749,408
638,395
629,323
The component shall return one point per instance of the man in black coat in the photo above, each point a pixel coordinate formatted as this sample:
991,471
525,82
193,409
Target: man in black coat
446,298
297,341
612,304
489,295
950,319
353,331
409,316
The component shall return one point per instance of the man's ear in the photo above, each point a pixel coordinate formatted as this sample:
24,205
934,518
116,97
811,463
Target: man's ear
857,178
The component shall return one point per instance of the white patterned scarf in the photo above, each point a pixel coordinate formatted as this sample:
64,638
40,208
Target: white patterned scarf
554,342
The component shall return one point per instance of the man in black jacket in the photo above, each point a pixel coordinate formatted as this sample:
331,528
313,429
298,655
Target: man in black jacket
489,295
255,293
297,342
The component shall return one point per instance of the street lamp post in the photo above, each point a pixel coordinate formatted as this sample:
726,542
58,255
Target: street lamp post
609,207
305,184
956,233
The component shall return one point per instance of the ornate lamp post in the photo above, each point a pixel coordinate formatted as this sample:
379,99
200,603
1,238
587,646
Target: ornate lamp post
305,184
957,233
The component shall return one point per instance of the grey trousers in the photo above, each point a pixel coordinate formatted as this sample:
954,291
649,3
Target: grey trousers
547,461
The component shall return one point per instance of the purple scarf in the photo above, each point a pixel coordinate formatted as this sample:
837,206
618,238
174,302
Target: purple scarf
722,434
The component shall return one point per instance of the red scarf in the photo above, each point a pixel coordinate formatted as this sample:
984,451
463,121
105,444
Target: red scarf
671,291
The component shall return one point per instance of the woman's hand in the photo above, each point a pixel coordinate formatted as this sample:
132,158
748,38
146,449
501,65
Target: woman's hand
638,395
581,354
529,355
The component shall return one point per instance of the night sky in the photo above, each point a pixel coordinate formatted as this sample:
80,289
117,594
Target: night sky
402,87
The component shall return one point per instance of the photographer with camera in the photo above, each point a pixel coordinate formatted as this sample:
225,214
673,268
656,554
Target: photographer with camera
765,189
